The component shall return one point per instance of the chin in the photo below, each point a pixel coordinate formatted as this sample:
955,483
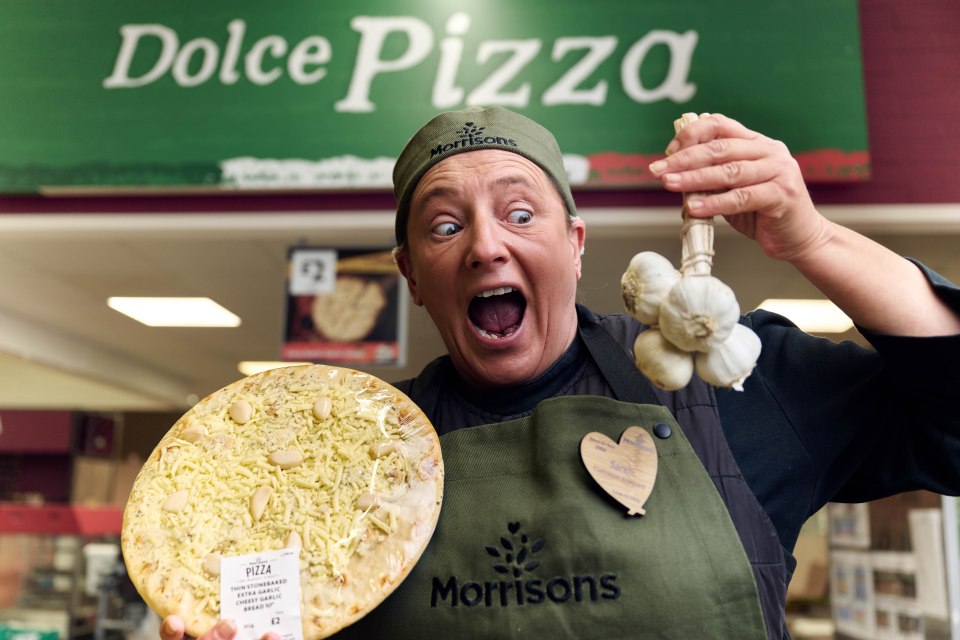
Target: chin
501,371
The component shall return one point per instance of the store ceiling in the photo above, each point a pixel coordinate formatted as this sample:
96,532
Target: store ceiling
61,347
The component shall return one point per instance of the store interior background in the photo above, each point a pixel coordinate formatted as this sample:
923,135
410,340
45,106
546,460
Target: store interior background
63,352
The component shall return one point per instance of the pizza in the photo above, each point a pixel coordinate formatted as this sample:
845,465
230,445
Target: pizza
350,312
327,459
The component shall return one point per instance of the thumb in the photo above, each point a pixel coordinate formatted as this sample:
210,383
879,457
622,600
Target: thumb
172,628
225,630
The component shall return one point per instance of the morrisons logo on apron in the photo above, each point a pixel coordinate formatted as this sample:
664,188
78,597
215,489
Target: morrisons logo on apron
515,559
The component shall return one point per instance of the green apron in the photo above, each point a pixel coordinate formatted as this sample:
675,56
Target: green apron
528,545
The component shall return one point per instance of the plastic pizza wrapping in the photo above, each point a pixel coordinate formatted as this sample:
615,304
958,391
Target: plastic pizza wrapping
328,459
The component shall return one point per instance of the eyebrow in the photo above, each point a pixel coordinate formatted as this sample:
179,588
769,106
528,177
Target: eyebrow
512,181
436,192
502,183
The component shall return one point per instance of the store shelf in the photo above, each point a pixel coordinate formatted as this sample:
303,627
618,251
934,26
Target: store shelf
63,519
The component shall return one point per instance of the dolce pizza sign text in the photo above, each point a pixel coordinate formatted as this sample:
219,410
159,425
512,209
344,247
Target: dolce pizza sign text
243,94
265,60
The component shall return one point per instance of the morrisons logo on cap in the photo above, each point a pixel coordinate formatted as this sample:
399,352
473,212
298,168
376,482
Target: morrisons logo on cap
469,135
516,560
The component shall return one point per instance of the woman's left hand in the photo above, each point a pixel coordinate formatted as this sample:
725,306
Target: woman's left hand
759,188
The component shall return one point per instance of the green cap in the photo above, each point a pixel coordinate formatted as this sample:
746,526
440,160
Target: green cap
474,129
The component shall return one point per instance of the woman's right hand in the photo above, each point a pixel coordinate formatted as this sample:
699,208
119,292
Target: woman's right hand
172,628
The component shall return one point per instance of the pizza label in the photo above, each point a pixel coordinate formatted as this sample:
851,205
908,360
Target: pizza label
261,593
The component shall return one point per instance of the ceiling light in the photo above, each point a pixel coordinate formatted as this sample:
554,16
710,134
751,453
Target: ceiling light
250,367
813,316
175,312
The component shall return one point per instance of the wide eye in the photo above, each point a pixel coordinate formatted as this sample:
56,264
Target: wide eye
520,216
447,228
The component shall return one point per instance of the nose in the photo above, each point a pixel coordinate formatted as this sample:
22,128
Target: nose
488,245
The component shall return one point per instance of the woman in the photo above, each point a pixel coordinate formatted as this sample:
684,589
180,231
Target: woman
527,543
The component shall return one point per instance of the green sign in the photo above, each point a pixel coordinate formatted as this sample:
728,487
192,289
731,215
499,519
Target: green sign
304,94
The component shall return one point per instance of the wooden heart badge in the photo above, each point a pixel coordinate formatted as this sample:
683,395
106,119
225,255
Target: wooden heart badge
626,470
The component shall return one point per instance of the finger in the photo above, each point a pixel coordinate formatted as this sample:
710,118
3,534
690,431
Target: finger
709,127
729,175
223,630
172,628
715,152
270,635
757,197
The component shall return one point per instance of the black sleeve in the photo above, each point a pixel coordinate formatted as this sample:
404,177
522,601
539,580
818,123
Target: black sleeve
821,422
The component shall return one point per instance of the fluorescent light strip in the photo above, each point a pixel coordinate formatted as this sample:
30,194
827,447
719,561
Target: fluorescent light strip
175,312
813,316
250,367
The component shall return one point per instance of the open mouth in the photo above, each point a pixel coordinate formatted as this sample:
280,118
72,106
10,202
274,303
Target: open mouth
497,313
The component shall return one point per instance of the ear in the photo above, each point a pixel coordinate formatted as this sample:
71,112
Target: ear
402,257
578,236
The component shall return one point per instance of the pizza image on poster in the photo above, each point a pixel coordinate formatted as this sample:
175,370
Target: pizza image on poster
343,307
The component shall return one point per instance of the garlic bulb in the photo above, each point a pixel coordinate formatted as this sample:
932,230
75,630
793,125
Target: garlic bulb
662,363
645,283
693,316
729,363
699,312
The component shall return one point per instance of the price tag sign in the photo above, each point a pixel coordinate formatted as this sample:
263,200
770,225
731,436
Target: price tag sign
312,271
261,592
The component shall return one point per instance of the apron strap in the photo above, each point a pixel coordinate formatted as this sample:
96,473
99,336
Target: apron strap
425,388
627,383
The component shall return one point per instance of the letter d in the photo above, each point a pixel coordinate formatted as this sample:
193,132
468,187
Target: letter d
132,33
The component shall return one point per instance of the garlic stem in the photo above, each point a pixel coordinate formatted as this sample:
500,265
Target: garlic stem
696,241
696,245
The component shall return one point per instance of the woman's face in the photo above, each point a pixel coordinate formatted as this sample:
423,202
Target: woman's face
492,258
